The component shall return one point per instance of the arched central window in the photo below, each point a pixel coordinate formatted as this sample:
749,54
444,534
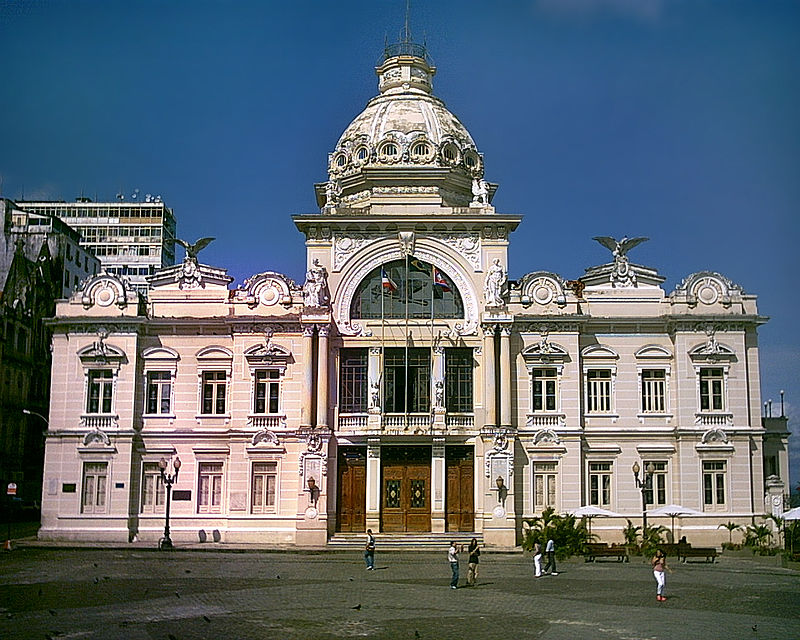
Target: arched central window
424,290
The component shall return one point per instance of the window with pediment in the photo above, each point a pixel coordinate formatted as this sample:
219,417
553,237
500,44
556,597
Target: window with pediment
214,370
413,287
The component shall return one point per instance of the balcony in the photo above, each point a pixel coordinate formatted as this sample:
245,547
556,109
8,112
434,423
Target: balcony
98,421
353,421
459,421
545,420
406,420
267,421
715,419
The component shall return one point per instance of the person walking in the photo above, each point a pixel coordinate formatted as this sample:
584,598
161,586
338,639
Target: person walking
474,553
659,563
369,551
537,560
550,552
452,558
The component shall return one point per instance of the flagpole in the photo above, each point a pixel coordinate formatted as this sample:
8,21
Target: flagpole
405,406
383,350
433,390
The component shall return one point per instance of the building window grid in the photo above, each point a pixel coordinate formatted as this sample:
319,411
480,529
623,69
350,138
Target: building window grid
655,491
159,392
545,388
209,487
266,396
100,391
654,390
264,487
153,491
714,474
545,477
407,386
598,390
459,380
95,481
712,397
600,484
214,387
353,381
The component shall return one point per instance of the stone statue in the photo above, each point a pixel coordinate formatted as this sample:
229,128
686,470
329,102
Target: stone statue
495,279
193,249
315,289
375,394
439,394
333,190
480,192
622,274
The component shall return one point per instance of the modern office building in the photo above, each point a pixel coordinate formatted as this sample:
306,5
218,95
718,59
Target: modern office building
408,385
131,239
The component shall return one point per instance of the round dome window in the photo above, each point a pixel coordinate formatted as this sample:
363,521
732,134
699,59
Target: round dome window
450,153
389,152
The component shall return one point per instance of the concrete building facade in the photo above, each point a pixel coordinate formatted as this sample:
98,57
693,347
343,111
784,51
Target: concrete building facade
408,385
131,239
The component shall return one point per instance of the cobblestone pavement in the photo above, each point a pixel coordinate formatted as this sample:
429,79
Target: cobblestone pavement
141,594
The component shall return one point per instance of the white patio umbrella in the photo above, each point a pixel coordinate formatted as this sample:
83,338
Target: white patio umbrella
792,514
673,511
590,511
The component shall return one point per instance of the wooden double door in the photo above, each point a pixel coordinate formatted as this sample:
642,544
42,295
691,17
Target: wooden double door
459,499
352,490
406,488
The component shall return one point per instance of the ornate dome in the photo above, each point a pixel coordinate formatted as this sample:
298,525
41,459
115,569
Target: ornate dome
405,126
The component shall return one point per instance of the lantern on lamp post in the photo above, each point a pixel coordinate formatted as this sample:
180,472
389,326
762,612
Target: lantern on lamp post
168,479
643,483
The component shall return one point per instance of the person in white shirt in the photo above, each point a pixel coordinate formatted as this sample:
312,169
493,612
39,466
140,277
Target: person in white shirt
550,552
452,558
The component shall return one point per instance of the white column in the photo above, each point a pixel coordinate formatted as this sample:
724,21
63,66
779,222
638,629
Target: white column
322,376
373,484
489,385
374,380
308,376
505,376
438,399
438,487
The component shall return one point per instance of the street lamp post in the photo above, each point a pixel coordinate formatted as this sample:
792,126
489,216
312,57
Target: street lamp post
641,483
169,479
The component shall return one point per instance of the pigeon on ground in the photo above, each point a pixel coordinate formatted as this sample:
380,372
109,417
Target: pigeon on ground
357,607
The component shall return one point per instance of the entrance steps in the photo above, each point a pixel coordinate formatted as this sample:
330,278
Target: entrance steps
404,541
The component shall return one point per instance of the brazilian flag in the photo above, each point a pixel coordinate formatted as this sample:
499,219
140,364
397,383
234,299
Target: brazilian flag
415,264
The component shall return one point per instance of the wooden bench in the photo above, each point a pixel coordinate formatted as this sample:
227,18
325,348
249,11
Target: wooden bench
688,551
594,551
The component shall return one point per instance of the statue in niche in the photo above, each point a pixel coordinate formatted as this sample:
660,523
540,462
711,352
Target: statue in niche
439,394
480,192
315,289
375,394
495,279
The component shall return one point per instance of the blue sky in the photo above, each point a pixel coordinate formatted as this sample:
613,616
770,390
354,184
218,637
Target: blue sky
673,119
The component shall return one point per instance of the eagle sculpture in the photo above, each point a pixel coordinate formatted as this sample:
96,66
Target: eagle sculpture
193,249
619,248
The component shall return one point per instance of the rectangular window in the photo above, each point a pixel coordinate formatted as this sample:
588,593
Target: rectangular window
598,391
544,389
544,485
654,391
655,491
407,380
267,391
711,380
153,496
159,391
600,484
458,375
214,386
95,479
353,381
209,487
101,385
265,479
714,484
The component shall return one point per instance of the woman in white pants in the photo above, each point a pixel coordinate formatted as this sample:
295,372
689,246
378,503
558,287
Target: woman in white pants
659,563
537,560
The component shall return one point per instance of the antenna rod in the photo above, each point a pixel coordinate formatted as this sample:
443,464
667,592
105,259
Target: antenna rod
407,34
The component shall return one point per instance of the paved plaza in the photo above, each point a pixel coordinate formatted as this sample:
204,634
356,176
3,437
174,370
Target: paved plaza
138,593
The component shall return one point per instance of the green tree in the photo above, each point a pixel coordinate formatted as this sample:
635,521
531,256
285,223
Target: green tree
652,538
569,535
631,533
731,527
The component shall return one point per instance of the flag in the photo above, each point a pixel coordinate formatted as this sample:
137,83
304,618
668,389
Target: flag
386,282
415,264
439,280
